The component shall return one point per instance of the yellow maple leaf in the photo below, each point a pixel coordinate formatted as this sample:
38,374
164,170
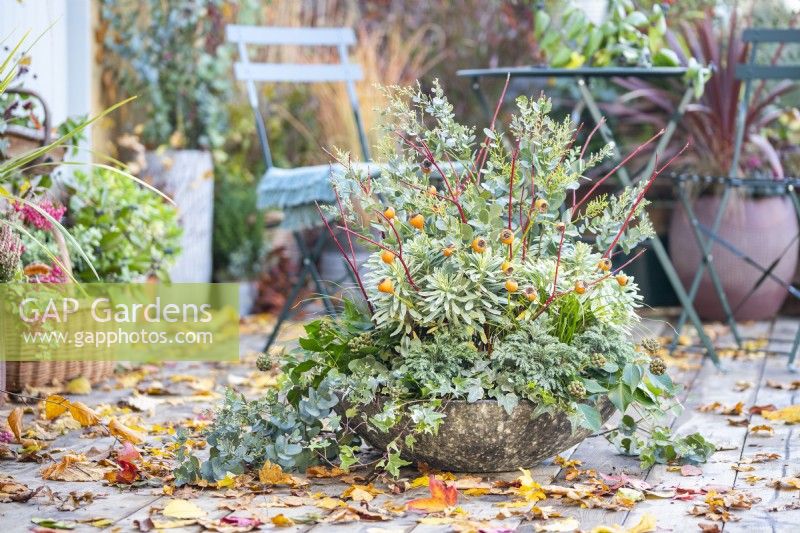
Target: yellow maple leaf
281,520
273,474
123,432
55,406
789,414
183,509
528,488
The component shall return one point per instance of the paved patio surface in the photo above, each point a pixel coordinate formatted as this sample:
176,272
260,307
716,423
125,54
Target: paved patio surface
759,458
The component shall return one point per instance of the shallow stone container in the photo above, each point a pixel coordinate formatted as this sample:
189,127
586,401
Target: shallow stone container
482,437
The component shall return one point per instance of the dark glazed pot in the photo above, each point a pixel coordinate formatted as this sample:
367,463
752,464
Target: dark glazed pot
482,437
764,229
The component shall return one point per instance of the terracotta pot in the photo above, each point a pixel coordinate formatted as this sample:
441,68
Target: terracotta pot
763,229
482,437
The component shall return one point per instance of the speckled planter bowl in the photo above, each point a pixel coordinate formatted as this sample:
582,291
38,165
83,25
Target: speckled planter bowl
482,437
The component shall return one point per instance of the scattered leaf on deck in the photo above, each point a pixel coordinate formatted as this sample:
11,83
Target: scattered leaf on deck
15,422
789,414
123,432
183,509
73,468
80,385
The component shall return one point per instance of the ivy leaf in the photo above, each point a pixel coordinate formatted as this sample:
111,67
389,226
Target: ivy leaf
620,396
347,457
508,402
591,416
632,375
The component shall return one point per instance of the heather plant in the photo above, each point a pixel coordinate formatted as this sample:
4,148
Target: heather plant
490,278
11,249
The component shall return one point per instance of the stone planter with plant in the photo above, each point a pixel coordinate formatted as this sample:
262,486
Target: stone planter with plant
491,335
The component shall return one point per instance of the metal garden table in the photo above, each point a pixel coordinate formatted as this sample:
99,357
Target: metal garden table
582,78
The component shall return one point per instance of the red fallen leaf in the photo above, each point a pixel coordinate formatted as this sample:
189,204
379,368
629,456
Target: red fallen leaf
442,497
622,480
691,470
687,494
128,453
758,409
241,521
127,474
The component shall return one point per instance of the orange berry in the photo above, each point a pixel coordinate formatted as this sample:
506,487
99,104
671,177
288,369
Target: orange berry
506,267
432,191
580,287
530,293
387,257
622,279
389,213
426,166
418,221
386,286
560,226
511,285
506,236
449,250
541,205
604,264
479,245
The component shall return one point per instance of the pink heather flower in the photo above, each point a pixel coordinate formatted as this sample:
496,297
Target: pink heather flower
37,220
6,437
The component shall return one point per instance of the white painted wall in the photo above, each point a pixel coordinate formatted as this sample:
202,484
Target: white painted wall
62,57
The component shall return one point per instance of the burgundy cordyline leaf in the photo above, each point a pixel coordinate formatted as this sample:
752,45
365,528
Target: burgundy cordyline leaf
710,124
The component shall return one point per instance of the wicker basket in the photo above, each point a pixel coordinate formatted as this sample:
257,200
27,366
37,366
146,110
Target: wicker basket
20,375
22,140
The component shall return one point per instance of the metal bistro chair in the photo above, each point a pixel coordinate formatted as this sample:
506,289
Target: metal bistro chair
296,191
707,237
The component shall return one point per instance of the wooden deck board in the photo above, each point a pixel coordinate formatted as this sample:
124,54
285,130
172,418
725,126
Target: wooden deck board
704,384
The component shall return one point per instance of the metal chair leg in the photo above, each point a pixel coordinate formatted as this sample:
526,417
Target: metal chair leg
309,268
309,259
286,309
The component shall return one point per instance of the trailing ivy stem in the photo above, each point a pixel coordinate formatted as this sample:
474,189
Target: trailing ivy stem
382,247
641,196
613,171
347,259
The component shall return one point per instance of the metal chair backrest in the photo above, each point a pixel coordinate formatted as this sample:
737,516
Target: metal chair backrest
252,73
752,71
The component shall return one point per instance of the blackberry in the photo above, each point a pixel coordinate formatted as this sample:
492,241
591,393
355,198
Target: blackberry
597,359
651,345
657,366
263,363
576,389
